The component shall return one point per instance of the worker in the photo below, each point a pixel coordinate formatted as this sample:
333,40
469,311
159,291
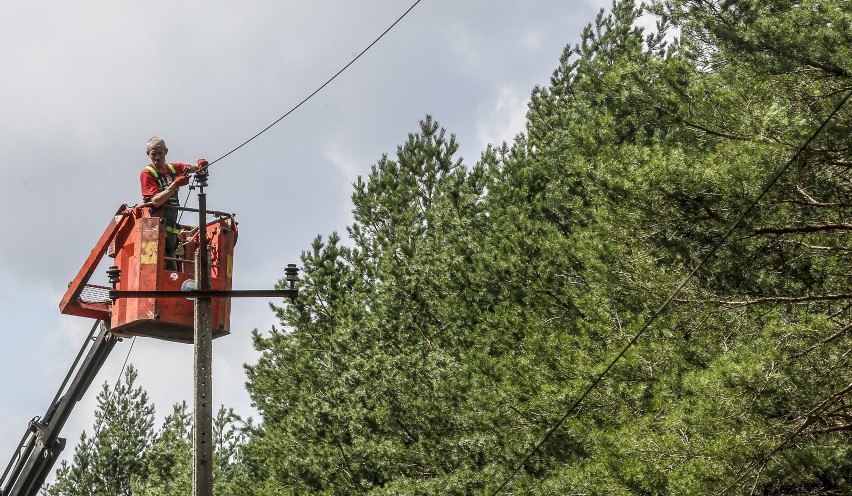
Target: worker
160,184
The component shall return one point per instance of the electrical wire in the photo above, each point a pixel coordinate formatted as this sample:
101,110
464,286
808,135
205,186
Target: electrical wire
267,128
304,100
332,78
115,386
674,294
124,365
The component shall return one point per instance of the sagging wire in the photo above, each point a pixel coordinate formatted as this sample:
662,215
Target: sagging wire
267,128
115,386
777,175
312,94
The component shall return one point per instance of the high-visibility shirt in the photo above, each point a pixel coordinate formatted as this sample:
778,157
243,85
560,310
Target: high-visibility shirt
153,181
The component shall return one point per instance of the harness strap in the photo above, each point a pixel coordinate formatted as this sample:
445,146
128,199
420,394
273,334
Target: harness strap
161,182
157,174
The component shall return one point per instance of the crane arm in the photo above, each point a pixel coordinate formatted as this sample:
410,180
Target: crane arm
41,445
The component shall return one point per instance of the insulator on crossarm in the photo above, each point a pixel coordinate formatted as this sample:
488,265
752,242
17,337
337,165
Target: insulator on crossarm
114,274
291,274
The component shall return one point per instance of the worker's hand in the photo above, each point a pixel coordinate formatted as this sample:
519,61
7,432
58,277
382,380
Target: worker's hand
182,180
202,163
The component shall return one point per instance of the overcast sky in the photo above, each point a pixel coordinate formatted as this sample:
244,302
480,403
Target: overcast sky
84,84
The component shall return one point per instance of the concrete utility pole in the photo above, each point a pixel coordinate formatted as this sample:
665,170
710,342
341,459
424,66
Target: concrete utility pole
202,417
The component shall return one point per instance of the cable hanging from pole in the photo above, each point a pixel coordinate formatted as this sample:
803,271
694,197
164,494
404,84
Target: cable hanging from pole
312,94
775,177
332,78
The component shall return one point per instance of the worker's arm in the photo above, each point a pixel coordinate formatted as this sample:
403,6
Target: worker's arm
181,180
163,196
150,189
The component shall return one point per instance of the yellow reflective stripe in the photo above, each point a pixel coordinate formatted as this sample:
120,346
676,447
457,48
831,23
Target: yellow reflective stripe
175,230
156,175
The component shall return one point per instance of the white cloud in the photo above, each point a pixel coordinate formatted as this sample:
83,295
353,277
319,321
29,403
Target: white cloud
503,117
344,160
533,40
87,83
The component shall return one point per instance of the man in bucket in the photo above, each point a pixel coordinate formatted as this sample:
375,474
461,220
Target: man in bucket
160,184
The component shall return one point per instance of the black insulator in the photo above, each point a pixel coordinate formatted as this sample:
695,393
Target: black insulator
114,274
201,176
291,274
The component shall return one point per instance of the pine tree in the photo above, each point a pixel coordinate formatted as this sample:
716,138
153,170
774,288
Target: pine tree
167,461
474,305
104,463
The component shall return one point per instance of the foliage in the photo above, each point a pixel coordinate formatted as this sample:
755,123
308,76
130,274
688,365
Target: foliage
644,293
104,463
126,456
167,462
474,305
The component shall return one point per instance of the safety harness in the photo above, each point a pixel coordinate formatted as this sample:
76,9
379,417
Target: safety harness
162,185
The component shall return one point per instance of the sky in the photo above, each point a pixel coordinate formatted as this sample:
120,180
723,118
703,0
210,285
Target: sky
84,84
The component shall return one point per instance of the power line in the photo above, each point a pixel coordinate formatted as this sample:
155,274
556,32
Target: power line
304,100
115,386
332,78
320,88
680,287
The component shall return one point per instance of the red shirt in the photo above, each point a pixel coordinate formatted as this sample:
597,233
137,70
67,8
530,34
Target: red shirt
149,182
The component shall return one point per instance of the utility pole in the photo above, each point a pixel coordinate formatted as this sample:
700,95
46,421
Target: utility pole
202,417
40,446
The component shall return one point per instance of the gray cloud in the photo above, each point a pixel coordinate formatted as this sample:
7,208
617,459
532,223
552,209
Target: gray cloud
86,83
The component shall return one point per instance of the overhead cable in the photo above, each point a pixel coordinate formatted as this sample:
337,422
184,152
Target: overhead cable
320,88
332,78
777,175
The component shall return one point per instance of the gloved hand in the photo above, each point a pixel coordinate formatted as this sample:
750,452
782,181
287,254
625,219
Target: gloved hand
182,180
202,163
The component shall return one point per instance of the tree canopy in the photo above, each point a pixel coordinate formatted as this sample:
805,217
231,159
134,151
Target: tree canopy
645,292
471,305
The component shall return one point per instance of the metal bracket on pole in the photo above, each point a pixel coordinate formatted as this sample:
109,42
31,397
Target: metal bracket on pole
209,293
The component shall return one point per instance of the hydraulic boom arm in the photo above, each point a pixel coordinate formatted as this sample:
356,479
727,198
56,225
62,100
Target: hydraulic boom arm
41,445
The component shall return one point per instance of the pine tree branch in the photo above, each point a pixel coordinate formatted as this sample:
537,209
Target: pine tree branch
809,199
773,299
805,421
842,411
838,162
843,330
804,229
833,428
347,467
812,202
818,247
410,435
719,134
807,61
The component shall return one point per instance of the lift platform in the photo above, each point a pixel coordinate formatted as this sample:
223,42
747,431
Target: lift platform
135,239
153,296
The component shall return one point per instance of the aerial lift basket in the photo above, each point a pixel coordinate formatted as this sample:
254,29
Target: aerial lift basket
135,239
